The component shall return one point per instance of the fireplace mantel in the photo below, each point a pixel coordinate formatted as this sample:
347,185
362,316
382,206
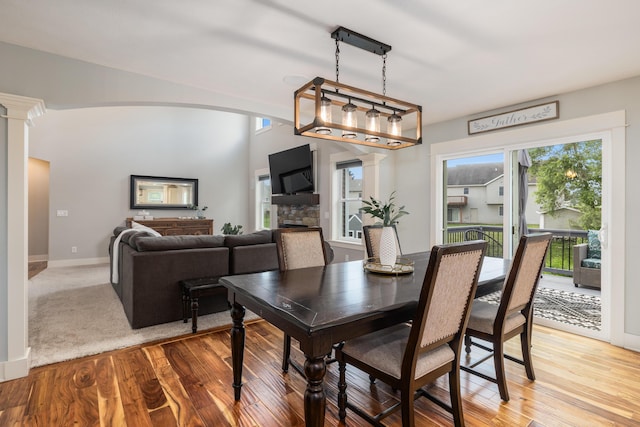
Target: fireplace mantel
310,199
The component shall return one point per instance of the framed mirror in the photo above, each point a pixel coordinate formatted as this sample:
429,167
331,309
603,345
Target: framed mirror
154,192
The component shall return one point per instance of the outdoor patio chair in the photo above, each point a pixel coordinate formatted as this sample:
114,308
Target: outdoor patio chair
587,262
513,316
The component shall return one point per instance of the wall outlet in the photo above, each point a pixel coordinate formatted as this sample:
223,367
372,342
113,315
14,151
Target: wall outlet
74,249
62,212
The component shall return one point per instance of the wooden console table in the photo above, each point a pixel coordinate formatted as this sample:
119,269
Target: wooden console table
177,226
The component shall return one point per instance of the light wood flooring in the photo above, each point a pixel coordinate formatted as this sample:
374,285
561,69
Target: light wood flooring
36,267
187,382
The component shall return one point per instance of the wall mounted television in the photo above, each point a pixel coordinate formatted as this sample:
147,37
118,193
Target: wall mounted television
292,171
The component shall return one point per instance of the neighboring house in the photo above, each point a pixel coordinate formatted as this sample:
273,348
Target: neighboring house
475,194
565,218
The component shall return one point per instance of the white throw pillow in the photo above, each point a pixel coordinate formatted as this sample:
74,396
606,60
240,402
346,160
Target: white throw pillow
140,227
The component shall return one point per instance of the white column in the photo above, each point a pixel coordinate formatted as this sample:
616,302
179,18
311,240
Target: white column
370,180
20,112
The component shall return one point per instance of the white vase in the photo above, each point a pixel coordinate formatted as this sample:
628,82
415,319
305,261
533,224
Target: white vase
388,252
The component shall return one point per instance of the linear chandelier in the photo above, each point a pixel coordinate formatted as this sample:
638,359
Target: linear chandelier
367,118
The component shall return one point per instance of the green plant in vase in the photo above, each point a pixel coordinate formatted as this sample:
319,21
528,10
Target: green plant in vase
388,214
199,211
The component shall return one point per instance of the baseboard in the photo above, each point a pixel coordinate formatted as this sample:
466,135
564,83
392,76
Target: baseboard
38,258
13,369
632,342
77,262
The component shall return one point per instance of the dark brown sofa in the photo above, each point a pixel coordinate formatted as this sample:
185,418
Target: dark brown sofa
150,268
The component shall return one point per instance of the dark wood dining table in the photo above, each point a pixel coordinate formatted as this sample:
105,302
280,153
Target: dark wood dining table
320,306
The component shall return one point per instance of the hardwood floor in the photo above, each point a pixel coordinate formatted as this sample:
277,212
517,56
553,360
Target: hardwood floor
187,381
36,267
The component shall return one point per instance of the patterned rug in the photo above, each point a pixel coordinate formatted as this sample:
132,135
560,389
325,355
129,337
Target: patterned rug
562,306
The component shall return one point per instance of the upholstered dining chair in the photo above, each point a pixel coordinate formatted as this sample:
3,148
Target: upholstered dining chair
498,323
298,248
410,355
371,234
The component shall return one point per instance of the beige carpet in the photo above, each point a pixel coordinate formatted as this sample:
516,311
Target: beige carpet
74,312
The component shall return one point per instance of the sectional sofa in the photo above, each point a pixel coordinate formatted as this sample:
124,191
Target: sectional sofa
146,269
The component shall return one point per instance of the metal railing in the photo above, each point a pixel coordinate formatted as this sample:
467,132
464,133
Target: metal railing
559,257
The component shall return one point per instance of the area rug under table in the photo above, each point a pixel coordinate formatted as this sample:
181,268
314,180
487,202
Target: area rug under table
562,306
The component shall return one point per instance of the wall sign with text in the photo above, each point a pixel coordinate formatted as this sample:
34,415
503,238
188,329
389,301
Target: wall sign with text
537,113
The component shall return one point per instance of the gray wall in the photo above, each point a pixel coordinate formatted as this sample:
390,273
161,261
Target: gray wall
621,95
38,209
93,151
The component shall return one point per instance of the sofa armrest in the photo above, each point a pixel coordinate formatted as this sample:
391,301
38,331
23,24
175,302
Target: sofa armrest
579,253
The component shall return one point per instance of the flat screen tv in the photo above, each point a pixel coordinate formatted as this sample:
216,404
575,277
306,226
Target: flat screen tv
292,171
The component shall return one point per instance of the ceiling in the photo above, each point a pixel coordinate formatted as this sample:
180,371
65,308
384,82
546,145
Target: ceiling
454,58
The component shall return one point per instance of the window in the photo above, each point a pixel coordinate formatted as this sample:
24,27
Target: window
263,204
262,124
349,221
501,210
453,215
501,191
466,190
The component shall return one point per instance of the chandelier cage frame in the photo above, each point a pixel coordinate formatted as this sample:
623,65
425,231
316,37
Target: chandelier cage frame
309,99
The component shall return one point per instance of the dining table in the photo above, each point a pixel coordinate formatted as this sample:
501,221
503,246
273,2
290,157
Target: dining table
320,306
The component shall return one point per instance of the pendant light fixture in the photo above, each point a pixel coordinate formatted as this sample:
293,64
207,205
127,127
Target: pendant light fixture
315,101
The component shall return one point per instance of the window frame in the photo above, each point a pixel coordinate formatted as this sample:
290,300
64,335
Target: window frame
260,175
262,124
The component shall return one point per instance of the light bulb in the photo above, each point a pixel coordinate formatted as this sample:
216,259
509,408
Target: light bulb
349,119
372,124
325,115
394,127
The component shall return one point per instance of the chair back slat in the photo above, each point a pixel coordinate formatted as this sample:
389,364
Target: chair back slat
447,291
524,273
300,248
453,284
528,274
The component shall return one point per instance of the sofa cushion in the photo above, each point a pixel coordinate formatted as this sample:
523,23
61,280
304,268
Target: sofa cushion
257,238
131,237
165,243
591,262
594,249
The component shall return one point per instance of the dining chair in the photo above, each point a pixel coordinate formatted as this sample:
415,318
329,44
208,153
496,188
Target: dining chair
372,234
298,248
408,356
513,316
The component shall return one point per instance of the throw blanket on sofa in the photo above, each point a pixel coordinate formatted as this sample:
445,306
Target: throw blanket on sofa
115,257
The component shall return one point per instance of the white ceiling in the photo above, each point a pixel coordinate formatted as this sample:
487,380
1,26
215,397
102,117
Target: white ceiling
452,57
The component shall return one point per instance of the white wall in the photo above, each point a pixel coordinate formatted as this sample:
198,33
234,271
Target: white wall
93,151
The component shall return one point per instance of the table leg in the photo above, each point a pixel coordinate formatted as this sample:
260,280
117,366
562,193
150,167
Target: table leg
237,347
315,400
194,314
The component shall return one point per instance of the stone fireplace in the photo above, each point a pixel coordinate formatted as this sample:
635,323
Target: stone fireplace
298,210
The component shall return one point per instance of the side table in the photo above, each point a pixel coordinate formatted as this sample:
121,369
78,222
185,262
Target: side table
192,290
